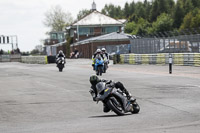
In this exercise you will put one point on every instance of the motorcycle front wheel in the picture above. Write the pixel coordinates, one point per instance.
(115, 107)
(99, 70)
(136, 108)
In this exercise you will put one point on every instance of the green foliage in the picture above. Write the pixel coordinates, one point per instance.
(152, 16)
(130, 27)
(163, 23)
(69, 41)
(112, 11)
(191, 20)
(178, 15)
(140, 28)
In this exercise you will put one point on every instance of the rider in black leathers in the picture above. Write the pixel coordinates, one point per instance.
(60, 54)
(94, 80)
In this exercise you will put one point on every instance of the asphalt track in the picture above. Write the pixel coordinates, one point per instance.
(39, 99)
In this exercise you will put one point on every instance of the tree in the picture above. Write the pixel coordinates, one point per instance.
(127, 10)
(187, 21)
(196, 19)
(112, 11)
(154, 11)
(163, 23)
(188, 6)
(57, 19)
(132, 8)
(69, 41)
(82, 13)
(130, 27)
(196, 3)
(139, 28)
(140, 10)
(191, 20)
(178, 14)
(142, 27)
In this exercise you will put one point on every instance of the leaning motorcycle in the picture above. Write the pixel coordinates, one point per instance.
(99, 64)
(60, 63)
(115, 99)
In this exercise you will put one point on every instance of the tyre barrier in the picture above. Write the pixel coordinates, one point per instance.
(181, 59)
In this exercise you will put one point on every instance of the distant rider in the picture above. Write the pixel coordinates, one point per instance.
(60, 54)
(95, 56)
(94, 80)
(105, 54)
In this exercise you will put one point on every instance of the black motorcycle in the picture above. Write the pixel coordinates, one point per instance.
(60, 61)
(105, 67)
(115, 99)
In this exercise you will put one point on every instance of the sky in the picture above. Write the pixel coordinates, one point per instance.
(24, 18)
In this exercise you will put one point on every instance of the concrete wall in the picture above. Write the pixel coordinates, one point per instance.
(10, 58)
(34, 59)
(184, 59)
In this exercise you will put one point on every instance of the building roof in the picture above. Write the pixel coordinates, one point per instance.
(97, 18)
(114, 36)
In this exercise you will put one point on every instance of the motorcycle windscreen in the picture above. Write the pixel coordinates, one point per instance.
(101, 86)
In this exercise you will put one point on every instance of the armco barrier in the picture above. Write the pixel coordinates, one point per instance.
(131, 59)
(186, 59)
(34, 59)
(196, 59)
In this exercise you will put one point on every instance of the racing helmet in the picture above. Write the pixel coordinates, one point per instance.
(98, 50)
(103, 49)
(94, 80)
(60, 52)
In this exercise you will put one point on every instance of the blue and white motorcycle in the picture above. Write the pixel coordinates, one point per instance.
(99, 65)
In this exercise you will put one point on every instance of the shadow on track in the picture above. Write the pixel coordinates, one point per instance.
(101, 116)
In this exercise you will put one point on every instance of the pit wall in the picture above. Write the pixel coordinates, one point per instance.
(34, 59)
(182, 59)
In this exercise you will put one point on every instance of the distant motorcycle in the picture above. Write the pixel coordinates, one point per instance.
(60, 63)
(116, 100)
(99, 64)
(105, 67)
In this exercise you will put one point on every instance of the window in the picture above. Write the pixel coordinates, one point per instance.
(60, 36)
(110, 29)
(53, 35)
(86, 31)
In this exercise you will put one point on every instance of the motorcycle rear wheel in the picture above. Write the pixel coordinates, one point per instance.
(60, 69)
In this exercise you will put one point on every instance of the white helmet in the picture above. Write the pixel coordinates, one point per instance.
(60, 52)
(103, 49)
(98, 50)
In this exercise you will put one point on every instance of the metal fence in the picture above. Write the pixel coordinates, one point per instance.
(166, 44)
(117, 49)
